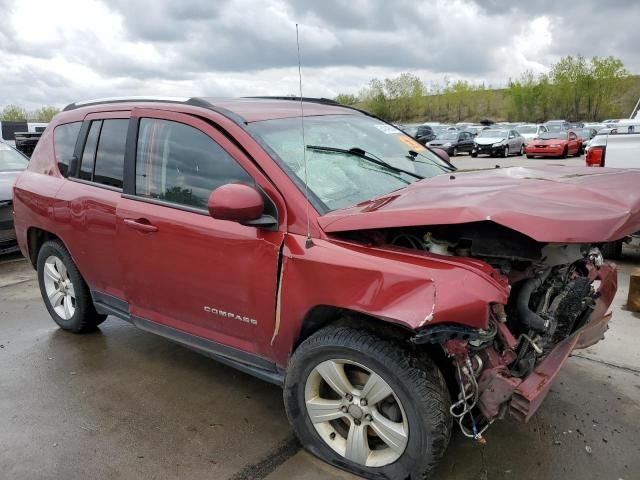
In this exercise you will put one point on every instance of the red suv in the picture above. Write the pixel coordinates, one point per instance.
(389, 294)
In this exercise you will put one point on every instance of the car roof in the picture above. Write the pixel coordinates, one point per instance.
(246, 109)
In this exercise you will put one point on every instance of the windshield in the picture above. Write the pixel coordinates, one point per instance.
(557, 127)
(11, 160)
(557, 135)
(341, 179)
(527, 129)
(583, 133)
(450, 135)
(493, 134)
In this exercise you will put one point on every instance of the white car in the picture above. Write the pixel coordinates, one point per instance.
(530, 131)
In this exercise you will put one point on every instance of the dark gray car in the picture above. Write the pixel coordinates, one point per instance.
(12, 163)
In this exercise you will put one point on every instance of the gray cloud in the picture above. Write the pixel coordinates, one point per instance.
(231, 47)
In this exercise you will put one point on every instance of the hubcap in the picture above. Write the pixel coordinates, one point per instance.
(59, 288)
(356, 413)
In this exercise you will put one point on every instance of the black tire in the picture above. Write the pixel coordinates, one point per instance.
(530, 157)
(612, 250)
(474, 155)
(521, 152)
(85, 318)
(454, 152)
(565, 152)
(417, 383)
(505, 153)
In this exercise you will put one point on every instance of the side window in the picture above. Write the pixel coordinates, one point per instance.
(64, 141)
(89, 152)
(109, 160)
(180, 164)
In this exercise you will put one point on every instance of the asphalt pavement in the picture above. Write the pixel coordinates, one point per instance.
(120, 403)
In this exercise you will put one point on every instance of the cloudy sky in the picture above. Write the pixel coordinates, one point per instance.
(59, 51)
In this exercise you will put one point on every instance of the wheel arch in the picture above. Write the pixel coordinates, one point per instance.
(36, 237)
(322, 316)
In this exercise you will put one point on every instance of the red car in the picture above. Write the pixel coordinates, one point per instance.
(390, 295)
(555, 144)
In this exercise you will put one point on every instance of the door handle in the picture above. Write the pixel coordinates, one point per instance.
(140, 224)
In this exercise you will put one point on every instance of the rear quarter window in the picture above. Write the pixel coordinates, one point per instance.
(64, 142)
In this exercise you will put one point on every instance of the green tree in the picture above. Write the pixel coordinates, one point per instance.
(347, 99)
(45, 114)
(608, 74)
(14, 113)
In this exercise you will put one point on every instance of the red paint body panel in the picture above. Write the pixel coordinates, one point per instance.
(411, 290)
(549, 204)
(540, 147)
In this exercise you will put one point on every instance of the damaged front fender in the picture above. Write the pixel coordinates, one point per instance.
(409, 289)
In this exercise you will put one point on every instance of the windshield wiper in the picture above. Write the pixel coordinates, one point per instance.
(358, 152)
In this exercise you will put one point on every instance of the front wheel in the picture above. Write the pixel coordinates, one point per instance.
(521, 150)
(64, 291)
(454, 152)
(366, 405)
(505, 154)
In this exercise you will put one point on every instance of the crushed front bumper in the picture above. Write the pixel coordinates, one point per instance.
(500, 391)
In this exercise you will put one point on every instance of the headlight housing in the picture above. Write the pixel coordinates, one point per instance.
(448, 144)
(555, 145)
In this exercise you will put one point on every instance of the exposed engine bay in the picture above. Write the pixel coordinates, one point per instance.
(554, 291)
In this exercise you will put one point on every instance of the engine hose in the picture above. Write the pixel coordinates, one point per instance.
(528, 317)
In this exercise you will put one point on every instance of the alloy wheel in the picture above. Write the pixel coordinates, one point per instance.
(356, 413)
(59, 288)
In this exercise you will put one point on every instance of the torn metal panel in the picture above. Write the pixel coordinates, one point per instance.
(548, 204)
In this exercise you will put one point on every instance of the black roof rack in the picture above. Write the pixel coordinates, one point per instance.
(326, 101)
(99, 101)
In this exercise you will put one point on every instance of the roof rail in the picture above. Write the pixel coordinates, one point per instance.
(326, 101)
(98, 101)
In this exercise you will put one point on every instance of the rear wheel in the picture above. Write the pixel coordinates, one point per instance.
(366, 405)
(64, 291)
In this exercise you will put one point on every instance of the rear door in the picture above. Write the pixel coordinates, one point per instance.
(89, 200)
(197, 275)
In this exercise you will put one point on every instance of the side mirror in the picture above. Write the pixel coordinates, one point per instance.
(442, 154)
(236, 202)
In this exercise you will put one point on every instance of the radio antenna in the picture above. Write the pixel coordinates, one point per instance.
(309, 242)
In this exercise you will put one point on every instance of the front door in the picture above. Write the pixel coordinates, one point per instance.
(214, 279)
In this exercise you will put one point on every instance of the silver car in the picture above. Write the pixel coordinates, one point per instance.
(498, 143)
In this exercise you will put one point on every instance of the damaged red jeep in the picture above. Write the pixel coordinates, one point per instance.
(389, 294)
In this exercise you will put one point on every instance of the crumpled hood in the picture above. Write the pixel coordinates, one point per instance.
(549, 204)
(488, 140)
(7, 179)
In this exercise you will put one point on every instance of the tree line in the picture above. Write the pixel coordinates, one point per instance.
(575, 89)
(15, 113)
